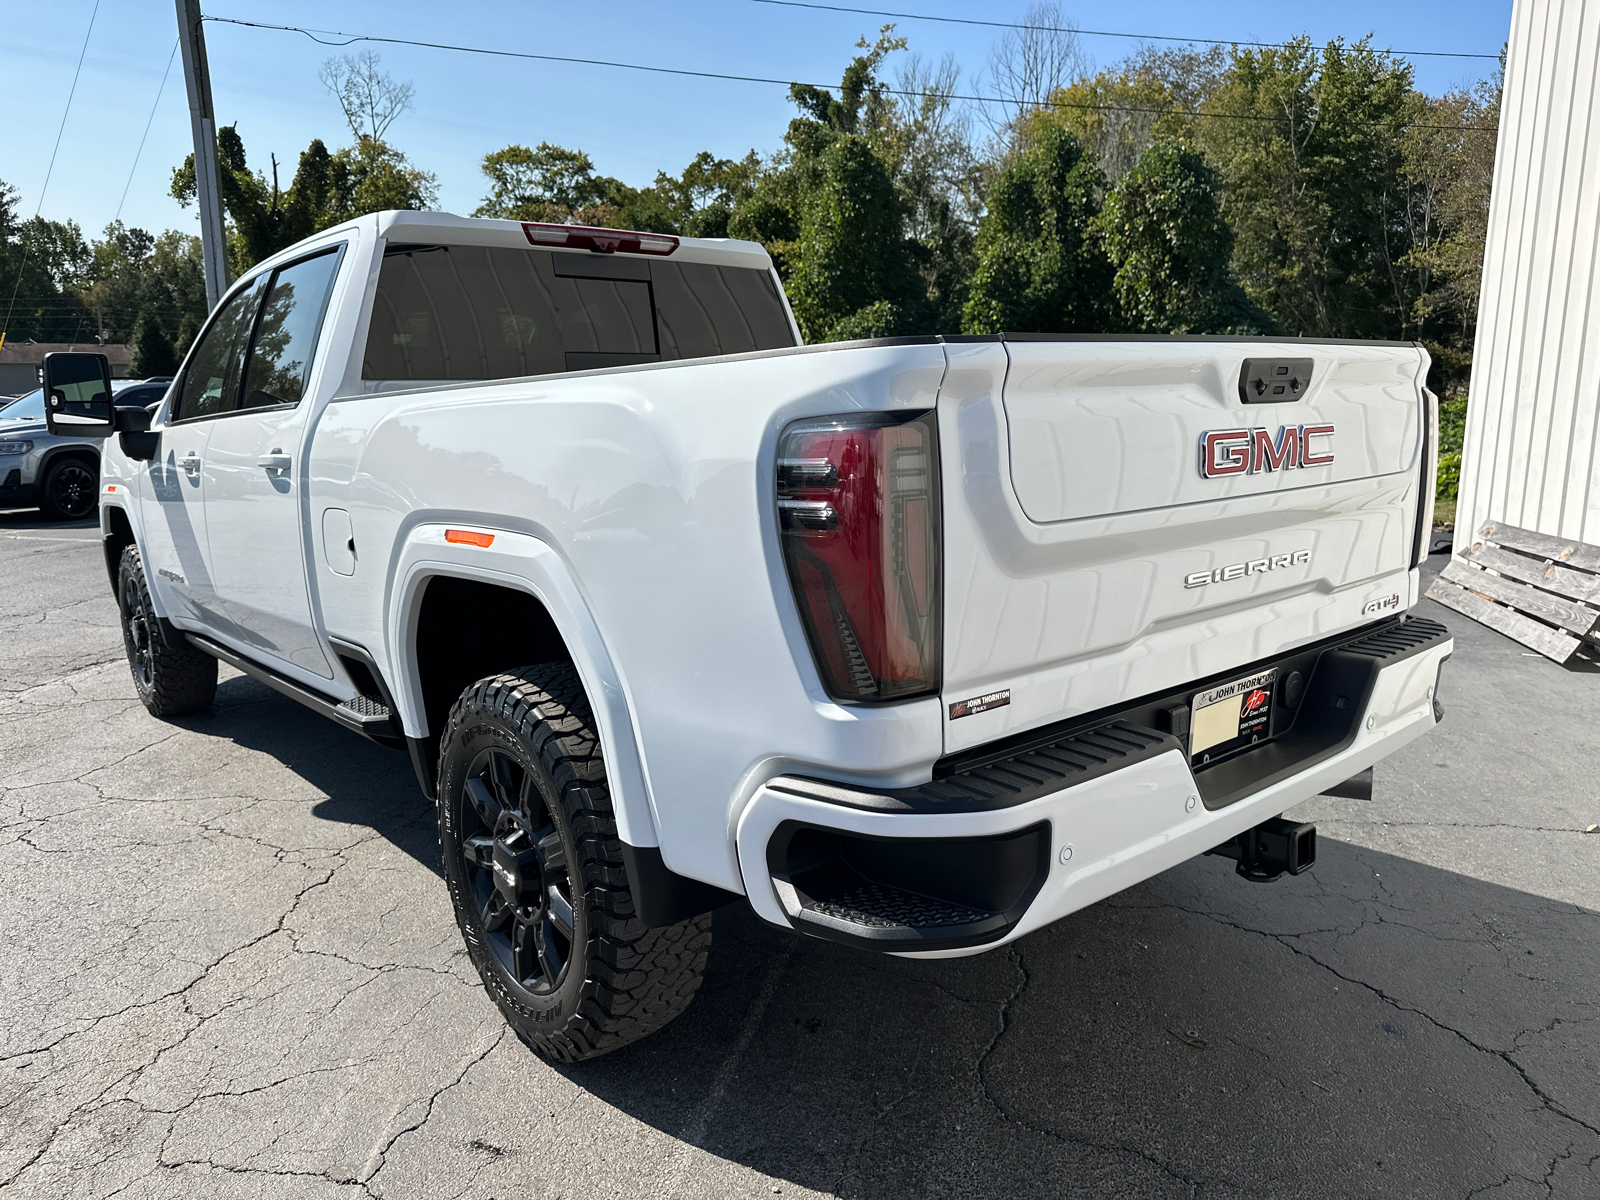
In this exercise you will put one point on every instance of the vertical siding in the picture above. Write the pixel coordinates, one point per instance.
(1533, 424)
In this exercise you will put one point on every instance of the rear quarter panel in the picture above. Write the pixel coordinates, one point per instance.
(655, 485)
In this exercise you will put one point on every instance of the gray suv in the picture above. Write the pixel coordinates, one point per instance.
(61, 475)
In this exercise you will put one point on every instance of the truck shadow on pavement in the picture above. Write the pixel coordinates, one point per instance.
(364, 784)
(1379, 1026)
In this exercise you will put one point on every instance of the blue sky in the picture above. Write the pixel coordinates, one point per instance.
(631, 123)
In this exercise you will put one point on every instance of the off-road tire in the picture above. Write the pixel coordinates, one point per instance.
(620, 980)
(70, 490)
(170, 675)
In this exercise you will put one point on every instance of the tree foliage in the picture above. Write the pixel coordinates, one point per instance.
(1170, 248)
(1041, 267)
(1308, 144)
(133, 277)
(1120, 111)
(1451, 166)
(370, 175)
(42, 261)
(153, 352)
(1301, 189)
(327, 189)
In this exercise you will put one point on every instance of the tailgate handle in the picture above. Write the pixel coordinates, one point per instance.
(1274, 380)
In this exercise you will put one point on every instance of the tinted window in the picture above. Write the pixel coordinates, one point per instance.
(280, 359)
(709, 310)
(141, 397)
(211, 383)
(473, 312)
(26, 408)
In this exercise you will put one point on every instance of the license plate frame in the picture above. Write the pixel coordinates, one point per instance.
(1232, 716)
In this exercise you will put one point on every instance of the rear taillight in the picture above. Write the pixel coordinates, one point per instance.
(858, 515)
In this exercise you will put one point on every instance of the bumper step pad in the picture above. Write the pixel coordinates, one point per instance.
(1005, 780)
(875, 906)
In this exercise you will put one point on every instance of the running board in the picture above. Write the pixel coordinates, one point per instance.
(361, 714)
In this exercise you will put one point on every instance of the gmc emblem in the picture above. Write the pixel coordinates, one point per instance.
(1254, 451)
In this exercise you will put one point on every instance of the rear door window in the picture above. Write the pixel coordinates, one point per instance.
(476, 312)
(280, 359)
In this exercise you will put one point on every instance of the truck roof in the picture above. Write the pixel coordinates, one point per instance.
(412, 226)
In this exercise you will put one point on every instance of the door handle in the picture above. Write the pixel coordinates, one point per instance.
(191, 464)
(276, 461)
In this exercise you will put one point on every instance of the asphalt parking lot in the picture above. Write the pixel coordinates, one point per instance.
(228, 968)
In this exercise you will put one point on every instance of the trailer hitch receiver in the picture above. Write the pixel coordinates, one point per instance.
(1271, 850)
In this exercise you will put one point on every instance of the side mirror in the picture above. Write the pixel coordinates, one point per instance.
(77, 395)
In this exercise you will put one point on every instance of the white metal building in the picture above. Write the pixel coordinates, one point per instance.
(1532, 451)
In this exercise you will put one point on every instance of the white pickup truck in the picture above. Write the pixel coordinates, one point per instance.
(915, 644)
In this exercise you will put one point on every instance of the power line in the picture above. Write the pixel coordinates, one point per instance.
(320, 36)
(146, 134)
(1145, 37)
(27, 244)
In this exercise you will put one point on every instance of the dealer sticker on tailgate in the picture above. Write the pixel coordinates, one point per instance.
(1232, 715)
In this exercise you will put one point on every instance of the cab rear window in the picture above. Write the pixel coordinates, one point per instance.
(478, 312)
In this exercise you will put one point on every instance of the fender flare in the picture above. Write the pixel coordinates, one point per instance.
(532, 565)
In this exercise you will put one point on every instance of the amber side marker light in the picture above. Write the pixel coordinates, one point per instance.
(465, 537)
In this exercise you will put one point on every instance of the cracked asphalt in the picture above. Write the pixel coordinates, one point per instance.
(228, 968)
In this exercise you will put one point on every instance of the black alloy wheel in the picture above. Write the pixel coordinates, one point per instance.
(71, 490)
(537, 874)
(171, 676)
(136, 621)
(517, 867)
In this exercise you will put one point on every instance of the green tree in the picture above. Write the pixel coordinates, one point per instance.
(1121, 111)
(545, 183)
(1450, 166)
(1170, 248)
(43, 262)
(834, 217)
(700, 201)
(371, 176)
(1309, 145)
(131, 273)
(153, 352)
(1041, 266)
(854, 274)
(327, 189)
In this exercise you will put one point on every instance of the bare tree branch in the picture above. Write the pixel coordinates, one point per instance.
(1030, 63)
(371, 99)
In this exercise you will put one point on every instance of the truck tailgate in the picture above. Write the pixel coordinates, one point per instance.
(1090, 556)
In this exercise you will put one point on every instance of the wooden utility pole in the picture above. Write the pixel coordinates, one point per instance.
(197, 75)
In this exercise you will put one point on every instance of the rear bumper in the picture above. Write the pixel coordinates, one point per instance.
(1089, 813)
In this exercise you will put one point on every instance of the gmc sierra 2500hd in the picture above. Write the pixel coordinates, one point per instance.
(914, 644)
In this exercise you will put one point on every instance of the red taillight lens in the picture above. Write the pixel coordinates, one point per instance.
(858, 514)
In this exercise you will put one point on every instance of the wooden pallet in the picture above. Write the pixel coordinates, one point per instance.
(1540, 590)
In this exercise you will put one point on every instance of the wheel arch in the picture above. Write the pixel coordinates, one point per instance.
(116, 535)
(518, 578)
(81, 452)
(55, 454)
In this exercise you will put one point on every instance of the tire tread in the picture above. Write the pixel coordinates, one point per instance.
(184, 679)
(639, 978)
